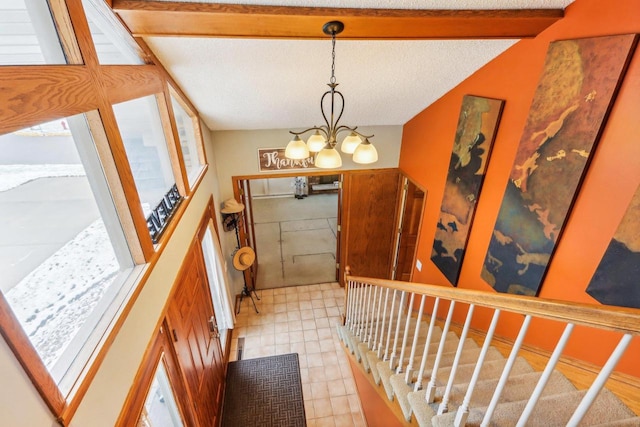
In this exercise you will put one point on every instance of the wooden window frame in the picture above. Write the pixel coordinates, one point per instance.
(197, 131)
(38, 94)
(159, 351)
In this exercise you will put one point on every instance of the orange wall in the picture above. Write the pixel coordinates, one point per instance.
(610, 182)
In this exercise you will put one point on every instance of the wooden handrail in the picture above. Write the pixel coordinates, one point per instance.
(618, 319)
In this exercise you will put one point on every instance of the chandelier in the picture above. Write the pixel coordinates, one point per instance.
(324, 139)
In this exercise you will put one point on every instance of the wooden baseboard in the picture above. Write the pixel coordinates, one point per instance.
(378, 410)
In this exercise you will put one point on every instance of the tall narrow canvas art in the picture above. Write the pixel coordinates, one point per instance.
(475, 133)
(575, 92)
(616, 280)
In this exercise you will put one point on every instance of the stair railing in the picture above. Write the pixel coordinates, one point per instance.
(362, 314)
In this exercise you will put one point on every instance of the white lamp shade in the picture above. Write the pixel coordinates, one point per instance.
(365, 153)
(328, 158)
(296, 149)
(350, 143)
(316, 142)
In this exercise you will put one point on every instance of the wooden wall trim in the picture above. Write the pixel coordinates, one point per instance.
(159, 18)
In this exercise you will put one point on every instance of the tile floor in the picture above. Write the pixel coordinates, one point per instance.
(303, 319)
(295, 240)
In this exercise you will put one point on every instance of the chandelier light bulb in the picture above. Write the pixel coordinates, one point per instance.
(296, 149)
(350, 143)
(328, 158)
(316, 142)
(365, 153)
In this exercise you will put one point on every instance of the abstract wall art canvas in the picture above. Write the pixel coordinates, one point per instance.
(574, 95)
(474, 137)
(617, 278)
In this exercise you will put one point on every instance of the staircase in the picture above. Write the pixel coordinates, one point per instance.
(441, 377)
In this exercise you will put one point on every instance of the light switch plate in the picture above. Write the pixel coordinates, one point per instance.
(419, 265)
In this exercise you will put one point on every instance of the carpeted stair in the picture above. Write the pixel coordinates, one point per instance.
(555, 407)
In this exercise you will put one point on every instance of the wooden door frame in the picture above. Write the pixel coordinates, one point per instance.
(251, 274)
(400, 218)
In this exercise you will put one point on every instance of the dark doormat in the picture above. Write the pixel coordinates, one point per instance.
(264, 392)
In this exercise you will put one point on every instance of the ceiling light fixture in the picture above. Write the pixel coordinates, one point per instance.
(325, 137)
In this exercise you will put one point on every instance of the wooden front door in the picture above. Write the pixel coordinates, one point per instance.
(196, 339)
(368, 219)
(409, 229)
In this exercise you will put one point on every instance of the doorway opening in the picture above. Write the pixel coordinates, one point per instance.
(295, 220)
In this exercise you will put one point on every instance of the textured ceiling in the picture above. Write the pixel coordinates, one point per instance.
(274, 84)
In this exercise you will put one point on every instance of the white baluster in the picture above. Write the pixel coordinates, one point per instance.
(363, 304)
(393, 304)
(505, 373)
(392, 359)
(384, 319)
(546, 374)
(374, 344)
(405, 336)
(370, 309)
(444, 405)
(463, 411)
(349, 308)
(431, 387)
(365, 313)
(356, 299)
(409, 370)
(368, 317)
(425, 352)
(602, 377)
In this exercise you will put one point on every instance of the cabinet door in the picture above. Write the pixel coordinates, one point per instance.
(368, 222)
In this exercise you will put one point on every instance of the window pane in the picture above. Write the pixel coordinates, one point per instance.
(160, 409)
(146, 147)
(27, 34)
(112, 46)
(188, 141)
(61, 265)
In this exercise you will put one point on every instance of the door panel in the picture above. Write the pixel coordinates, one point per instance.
(369, 216)
(196, 341)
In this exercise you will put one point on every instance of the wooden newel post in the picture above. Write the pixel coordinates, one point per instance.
(347, 273)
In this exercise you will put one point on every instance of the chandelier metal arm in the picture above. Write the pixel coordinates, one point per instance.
(344, 128)
(318, 128)
(331, 124)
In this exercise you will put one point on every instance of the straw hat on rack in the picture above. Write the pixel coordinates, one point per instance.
(231, 206)
(244, 258)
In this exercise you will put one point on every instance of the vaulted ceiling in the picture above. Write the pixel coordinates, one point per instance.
(264, 64)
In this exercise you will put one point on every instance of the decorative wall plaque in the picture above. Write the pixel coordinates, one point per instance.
(273, 159)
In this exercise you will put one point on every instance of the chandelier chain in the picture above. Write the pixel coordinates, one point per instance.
(333, 58)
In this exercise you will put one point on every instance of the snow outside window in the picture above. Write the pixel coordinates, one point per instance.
(188, 141)
(63, 255)
(146, 147)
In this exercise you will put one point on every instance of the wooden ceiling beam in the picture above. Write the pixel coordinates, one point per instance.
(158, 18)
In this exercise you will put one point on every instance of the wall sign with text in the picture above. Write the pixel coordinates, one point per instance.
(273, 159)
